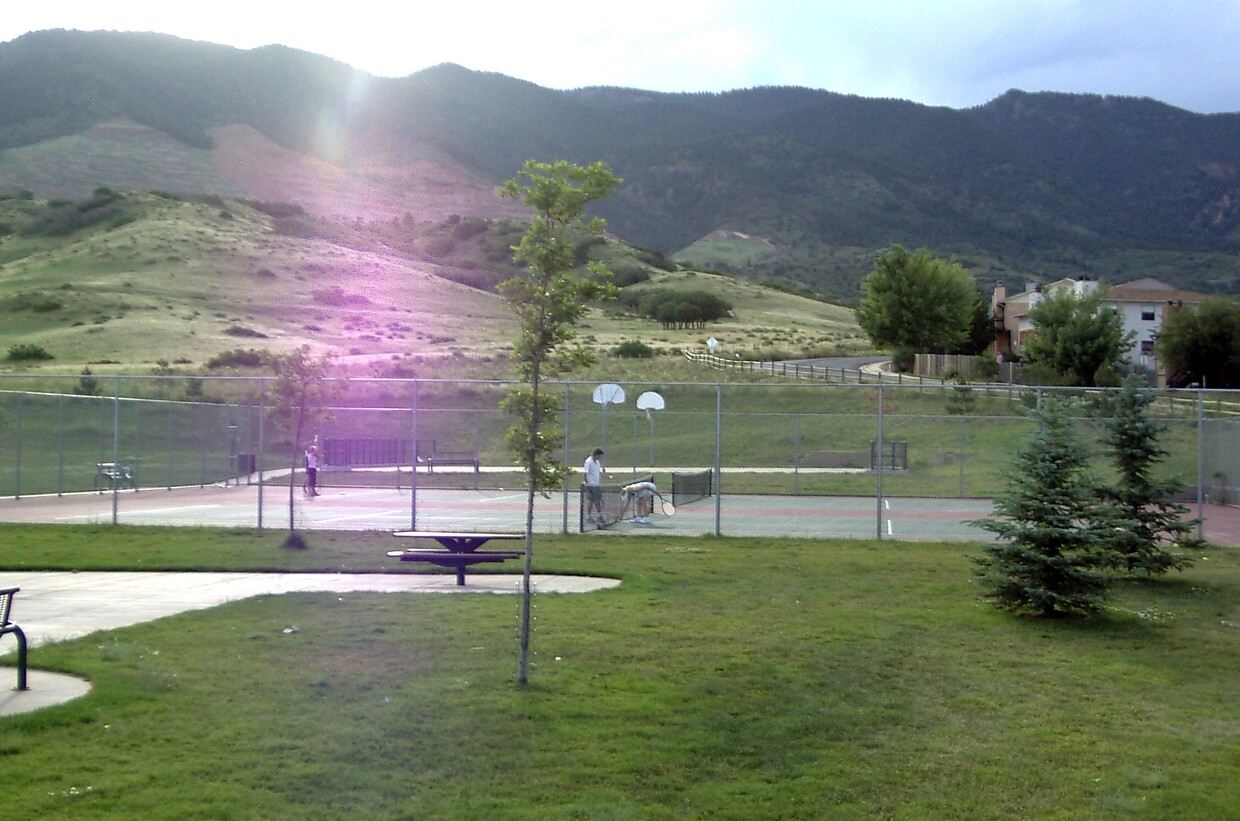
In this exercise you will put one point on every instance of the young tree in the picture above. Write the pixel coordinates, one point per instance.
(300, 400)
(1151, 522)
(1202, 344)
(1051, 553)
(548, 300)
(1076, 339)
(916, 301)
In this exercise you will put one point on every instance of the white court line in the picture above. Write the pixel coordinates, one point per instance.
(154, 511)
(505, 497)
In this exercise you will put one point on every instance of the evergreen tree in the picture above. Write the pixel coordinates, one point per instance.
(1051, 553)
(1151, 522)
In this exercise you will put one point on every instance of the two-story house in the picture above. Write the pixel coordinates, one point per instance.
(1143, 304)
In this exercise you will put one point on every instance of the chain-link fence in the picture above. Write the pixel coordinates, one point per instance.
(784, 457)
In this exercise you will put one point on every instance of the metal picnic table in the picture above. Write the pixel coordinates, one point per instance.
(460, 549)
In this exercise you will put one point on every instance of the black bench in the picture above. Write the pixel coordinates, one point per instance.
(460, 549)
(6, 626)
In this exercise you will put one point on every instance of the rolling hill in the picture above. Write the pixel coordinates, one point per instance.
(141, 281)
(1029, 187)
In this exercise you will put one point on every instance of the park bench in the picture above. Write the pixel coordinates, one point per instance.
(112, 475)
(7, 626)
(460, 550)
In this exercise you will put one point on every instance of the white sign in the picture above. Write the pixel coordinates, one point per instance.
(711, 343)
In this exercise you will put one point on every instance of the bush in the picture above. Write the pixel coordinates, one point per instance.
(985, 366)
(238, 358)
(338, 297)
(903, 360)
(241, 330)
(28, 353)
(633, 349)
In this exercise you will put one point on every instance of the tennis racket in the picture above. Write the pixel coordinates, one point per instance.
(667, 507)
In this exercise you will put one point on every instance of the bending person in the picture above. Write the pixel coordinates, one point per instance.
(641, 496)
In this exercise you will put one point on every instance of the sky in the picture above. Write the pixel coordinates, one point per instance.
(956, 53)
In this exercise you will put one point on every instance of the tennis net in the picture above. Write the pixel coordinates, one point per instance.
(690, 486)
(610, 505)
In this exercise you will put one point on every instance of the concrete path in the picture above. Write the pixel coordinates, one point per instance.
(60, 606)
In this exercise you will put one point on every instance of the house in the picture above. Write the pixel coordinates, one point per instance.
(1143, 304)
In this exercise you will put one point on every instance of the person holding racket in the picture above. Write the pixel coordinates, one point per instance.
(641, 496)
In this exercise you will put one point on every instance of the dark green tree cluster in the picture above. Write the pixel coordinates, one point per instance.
(66, 216)
(1062, 535)
(677, 309)
(1202, 345)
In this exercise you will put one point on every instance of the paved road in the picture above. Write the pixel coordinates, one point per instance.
(849, 363)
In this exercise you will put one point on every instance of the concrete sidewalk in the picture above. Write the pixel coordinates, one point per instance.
(65, 605)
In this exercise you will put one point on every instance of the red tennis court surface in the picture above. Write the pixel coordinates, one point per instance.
(895, 518)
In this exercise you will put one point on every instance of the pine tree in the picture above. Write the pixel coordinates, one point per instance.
(1051, 553)
(1151, 522)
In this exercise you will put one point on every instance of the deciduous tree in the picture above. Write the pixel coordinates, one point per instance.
(548, 300)
(917, 301)
(300, 399)
(1201, 344)
(1076, 341)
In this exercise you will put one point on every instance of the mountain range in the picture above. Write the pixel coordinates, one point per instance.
(791, 185)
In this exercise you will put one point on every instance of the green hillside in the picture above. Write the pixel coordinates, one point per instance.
(138, 281)
(1029, 187)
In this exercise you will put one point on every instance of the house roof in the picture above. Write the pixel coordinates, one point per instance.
(1151, 290)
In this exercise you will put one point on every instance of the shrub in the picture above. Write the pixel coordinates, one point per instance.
(44, 306)
(241, 330)
(238, 358)
(28, 353)
(335, 295)
(633, 349)
(903, 359)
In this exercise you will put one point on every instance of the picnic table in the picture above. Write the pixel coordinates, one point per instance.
(460, 549)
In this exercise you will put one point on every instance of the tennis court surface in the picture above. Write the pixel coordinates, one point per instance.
(503, 510)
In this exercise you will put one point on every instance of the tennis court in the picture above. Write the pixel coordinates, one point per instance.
(385, 509)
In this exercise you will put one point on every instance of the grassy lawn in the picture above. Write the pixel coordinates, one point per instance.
(725, 678)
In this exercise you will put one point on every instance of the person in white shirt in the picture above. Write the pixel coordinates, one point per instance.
(641, 496)
(311, 487)
(594, 471)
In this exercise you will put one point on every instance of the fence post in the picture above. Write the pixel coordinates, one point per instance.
(262, 444)
(718, 458)
(879, 479)
(60, 445)
(17, 450)
(1201, 461)
(413, 463)
(116, 444)
(565, 483)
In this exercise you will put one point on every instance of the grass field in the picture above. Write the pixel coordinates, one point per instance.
(724, 678)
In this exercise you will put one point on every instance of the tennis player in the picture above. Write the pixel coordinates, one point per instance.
(641, 495)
